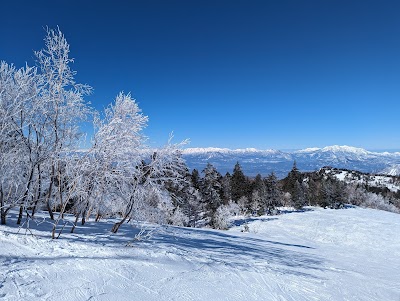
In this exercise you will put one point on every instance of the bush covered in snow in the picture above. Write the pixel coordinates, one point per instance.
(223, 216)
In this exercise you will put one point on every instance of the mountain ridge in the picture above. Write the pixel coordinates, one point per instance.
(254, 161)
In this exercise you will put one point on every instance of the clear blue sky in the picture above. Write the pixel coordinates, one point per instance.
(266, 74)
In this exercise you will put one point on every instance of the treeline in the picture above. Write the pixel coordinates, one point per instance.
(213, 199)
(210, 199)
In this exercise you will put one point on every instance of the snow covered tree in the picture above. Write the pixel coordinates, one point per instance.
(193, 206)
(64, 106)
(211, 189)
(223, 215)
(133, 177)
(17, 88)
(273, 194)
(226, 188)
(256, 203)
(195, 177)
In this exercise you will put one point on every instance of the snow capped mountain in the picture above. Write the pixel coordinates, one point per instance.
(393, 170)
(210, 150)
(254, 161)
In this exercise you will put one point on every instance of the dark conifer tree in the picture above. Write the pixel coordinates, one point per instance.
(226, 188)
(195, 179)
(239, 183)
(273, 196)
(298, 195)
(289, 183)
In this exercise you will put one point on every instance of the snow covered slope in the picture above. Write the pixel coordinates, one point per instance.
(351, 254)
(379, 181)
(393, 170)
(255, 161)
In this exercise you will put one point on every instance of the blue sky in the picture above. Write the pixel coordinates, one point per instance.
(264, 74)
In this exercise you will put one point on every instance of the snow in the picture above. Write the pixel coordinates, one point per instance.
(342, 175)
(200, 150)
(308, 150)
(207, 150)
(319, 254)
(393, 170)
(346, 149)
(372, 180)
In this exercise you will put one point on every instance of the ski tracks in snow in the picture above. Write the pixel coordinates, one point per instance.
(321, 255)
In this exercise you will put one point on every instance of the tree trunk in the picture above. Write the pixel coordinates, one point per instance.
(84, 213)
(49, 194)
(21, 211)
(39, 194)
(60, 191)
(2, 210)
(117, 225)
(76, 221)
(25, 197)
(126, 215)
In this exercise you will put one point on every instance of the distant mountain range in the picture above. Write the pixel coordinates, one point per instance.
(254, 161)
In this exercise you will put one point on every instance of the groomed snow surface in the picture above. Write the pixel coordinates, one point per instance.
(319, 254)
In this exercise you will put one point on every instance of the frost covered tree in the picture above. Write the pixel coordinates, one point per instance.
(256, 203)
(211, 189)
(273, 194)
(226, 188)
(132, 176)
(117, 155)
(195, 177)
(17, 90)
(41, 110)
(65, 108)
(223, 215)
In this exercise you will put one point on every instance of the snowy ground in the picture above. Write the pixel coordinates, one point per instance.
(351, 254)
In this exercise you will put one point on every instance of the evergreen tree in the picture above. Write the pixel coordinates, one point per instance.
(211, 189)
(256, 207)
(298, 196)
(226, 188)
(257, 198)
(326, 193)
(259, 185)
(313, 191)
(289, 183)
(239, 183)
(193, 206)
(273, 195)
(195, 179)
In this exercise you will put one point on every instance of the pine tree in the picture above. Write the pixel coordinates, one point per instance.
(195, 179)
(289, 183)
(298, 196)
(258, 196)
(239, 183)
(211, 189)
(226, 188)
(273, 195)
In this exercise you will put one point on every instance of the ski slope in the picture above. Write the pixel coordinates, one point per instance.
(350, 254)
